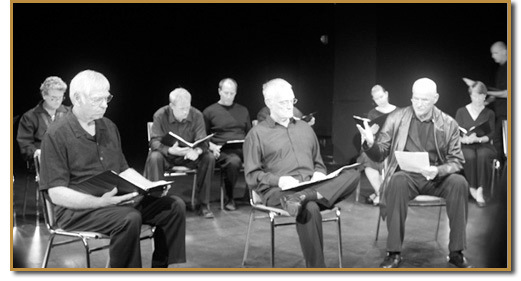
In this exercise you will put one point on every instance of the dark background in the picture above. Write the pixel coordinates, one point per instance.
(146, 50)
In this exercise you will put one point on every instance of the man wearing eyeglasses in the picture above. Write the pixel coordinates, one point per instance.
(421, 127)
(83, 144)
(282, 151)
(34, 123)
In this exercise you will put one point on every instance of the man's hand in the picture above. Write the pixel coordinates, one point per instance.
(317, 176)
(192, 154)
(215, 149)
(430, 172)
(366, 133)
(109, 198)
(375, 128)
(287, 181)
(178, 151)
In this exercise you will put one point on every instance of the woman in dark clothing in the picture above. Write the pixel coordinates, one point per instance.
(477, 147)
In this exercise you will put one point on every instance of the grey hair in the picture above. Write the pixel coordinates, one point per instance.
(52, 83)
(221, 83)
(274, 86)
(86, 81)
(179, 94)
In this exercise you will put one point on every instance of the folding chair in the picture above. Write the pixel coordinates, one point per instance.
(274, 213)
(147, 231)
(421, 201)
(28, 183)
(496, 164)
(219, 169)
(177, 171)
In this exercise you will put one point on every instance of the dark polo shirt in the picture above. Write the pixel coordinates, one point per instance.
(272, 150)
(70, 154)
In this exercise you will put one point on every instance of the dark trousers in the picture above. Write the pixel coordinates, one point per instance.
(157, 163)
(123, 225)
(230, 162)
(404, 186)
(478, 164)
(309, 221)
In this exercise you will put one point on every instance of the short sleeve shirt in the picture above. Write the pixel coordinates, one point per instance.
(71, 155)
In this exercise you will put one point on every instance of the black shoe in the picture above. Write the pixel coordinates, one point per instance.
(481, 204)
(230, 206)
(458, 260)
(391, 261)
(292, 204)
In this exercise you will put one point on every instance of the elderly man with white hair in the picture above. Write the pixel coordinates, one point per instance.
(421, 127)
(282, 151)
(83, 144)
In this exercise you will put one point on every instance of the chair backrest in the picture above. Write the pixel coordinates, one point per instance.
(149, 129)
(255, 197)
(504, 126)
(48, 206)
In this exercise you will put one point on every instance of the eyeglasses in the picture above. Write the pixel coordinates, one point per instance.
(287, 102)
(98, 101)
(53, 99)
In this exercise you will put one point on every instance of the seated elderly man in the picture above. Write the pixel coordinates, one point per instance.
(34, 123)
(281, 152)
(83, 144)
(420, 127)
(180, 118)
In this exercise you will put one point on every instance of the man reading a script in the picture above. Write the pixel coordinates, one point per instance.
(82, 144)
(282, 151)
(180, 118)
(421, 127)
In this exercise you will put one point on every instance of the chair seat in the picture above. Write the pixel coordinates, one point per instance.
(86, 234)
(179, 171)
(427, 200)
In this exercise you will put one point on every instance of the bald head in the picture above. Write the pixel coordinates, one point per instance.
(499, 52)
(424, 97)
(424, 85)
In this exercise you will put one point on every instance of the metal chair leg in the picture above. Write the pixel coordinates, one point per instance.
(245, 256)
(48, 251)
(378, 227)
(272, 224)
(339, 239)
(87, 252)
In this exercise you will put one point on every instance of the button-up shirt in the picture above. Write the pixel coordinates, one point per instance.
(190, 129)
(71, 155)
(272, 150)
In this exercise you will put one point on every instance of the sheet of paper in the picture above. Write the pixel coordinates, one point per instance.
(412, 161)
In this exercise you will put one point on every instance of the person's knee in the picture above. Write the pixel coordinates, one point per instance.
(309, 210)
(398, 183)
(233, 162)
(458, 182)
(156, 157)
(178, 205)
(207, 157)
(131, 219)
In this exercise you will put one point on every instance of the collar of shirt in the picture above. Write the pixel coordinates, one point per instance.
(39, 108)
(171, 117)
(272, 123)
(79, 131)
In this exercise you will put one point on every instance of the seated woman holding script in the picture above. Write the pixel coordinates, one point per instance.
(477, 125)
(374, 169)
